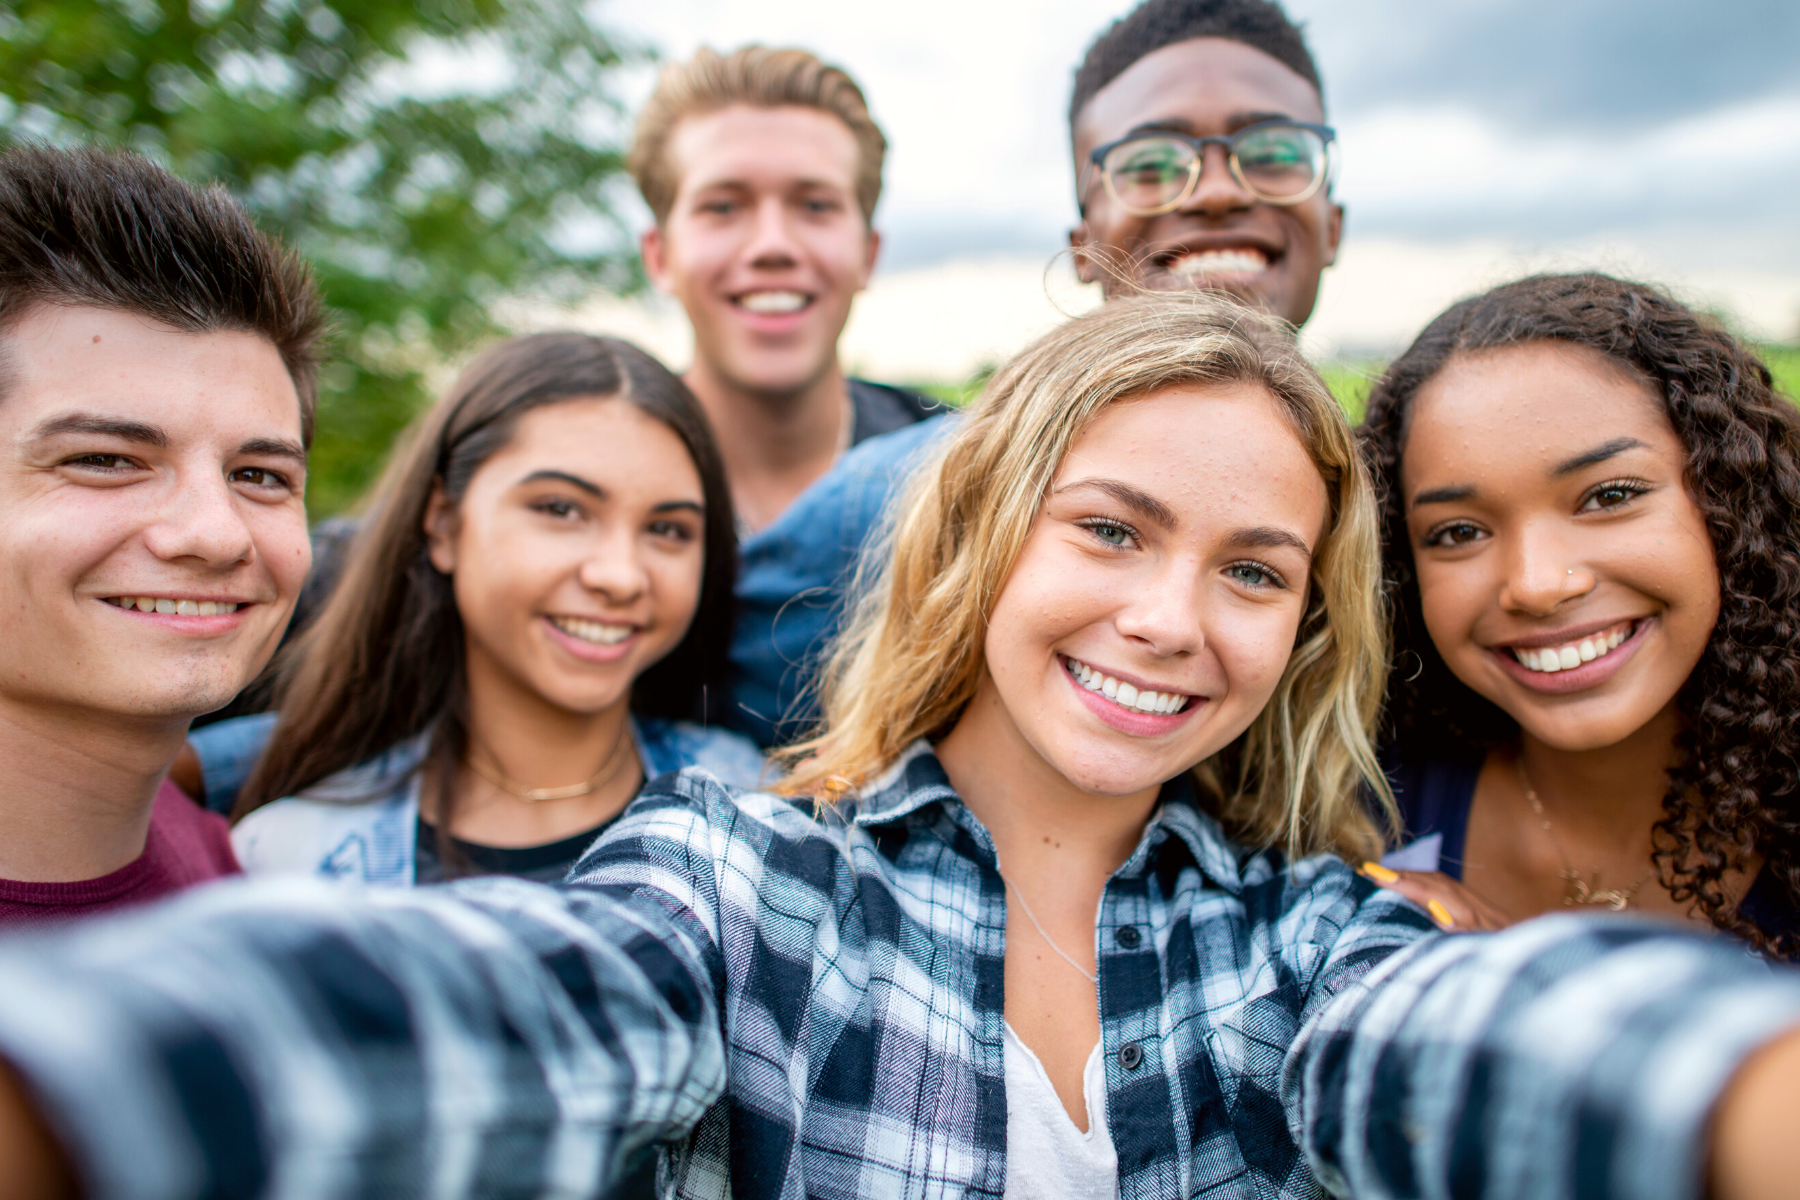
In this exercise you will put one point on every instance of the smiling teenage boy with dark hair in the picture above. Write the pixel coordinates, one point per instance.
(156, 391)
(1202, 158)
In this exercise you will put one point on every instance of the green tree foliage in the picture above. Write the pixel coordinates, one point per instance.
(428, 157)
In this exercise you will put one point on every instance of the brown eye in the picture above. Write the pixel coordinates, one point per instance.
(103, 462)
(1612, 495)
(562, 509)
(259, 477)
(1456, 533)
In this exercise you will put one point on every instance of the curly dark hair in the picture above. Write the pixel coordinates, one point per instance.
(1734, 792)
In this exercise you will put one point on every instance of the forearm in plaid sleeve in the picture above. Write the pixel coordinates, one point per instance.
(496, 1039)
(1567, 1057)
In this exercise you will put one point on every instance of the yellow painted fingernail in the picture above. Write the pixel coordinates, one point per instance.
(1379, 873)
(1440, 914)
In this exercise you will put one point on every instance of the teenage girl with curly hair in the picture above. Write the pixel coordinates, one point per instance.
(1589, 504)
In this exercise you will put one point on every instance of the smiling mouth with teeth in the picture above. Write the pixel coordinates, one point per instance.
(174, 608)
(1125, 695)
(1550, 659)
(598, 633)
(773, 302)
(1203, 264)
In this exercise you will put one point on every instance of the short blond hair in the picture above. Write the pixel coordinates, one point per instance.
(912, 656)
(762, 77)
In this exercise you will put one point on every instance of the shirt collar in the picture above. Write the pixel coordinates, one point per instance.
(917, 779)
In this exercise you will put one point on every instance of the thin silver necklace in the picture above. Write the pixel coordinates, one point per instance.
(1032, 917)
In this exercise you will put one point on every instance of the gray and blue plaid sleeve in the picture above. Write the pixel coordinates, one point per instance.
(1566, 1058)
(282, 1038)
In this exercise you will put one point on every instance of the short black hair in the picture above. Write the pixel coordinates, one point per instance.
(111, 229)
(1259, 24)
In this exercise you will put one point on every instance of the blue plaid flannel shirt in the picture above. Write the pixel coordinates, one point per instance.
(801, 1008)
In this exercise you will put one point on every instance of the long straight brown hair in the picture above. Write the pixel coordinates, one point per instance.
(384, 660)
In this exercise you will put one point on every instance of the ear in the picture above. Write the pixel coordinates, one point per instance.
(1079, 238)
(871, 252)
(1334, 234)
(654, 250)
(442, 524)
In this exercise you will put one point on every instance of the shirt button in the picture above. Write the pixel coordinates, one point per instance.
(1130, 1055)
(1127, 936)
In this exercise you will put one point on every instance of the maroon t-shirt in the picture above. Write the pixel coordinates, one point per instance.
(186, 845)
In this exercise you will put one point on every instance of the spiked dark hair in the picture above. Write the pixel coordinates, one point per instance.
(108, 229)
(1259, 24)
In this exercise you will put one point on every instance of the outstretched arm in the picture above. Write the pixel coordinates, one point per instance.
(1755, 1153)
(36, 1167)
(495, 1039)
(1566, 1057)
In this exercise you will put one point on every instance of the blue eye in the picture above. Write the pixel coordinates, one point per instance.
(1111, 534)
(1255, 575)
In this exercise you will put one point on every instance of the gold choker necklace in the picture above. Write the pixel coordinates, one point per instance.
(530, 795)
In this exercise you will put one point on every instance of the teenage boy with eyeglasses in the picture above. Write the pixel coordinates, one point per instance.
(1202, 159)
(155, 405)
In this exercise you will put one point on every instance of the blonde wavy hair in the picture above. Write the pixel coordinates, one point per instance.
(912, 654)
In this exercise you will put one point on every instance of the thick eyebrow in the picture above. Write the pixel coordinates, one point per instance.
(1598, 454)
(599, 493)
(1443, 495)
(1136, 499)
(130, 431)
(575, 481)
(1267, 537)
(274, 448)
(1236, 120)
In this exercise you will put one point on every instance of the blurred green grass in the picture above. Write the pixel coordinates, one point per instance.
(1352, 380)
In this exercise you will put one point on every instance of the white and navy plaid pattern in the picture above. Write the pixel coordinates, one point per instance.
(814, 1009)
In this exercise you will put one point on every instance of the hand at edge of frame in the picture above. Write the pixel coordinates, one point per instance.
(35, 1167)
(1755, 1155)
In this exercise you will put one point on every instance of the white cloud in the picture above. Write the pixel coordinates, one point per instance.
(1446, 193)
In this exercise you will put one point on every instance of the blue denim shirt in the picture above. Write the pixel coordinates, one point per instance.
(792, 576)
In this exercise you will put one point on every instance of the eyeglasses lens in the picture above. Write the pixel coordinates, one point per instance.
(1278, 163)
(1149, 173)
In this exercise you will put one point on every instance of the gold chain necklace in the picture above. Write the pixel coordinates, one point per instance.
(1576, 890)
(530, 795)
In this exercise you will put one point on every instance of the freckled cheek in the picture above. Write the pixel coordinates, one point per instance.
(1253, 654)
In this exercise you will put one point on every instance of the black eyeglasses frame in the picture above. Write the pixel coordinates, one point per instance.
(1097, 159)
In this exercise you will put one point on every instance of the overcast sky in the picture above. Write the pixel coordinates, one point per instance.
(1651, 136)
(1477, 118)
